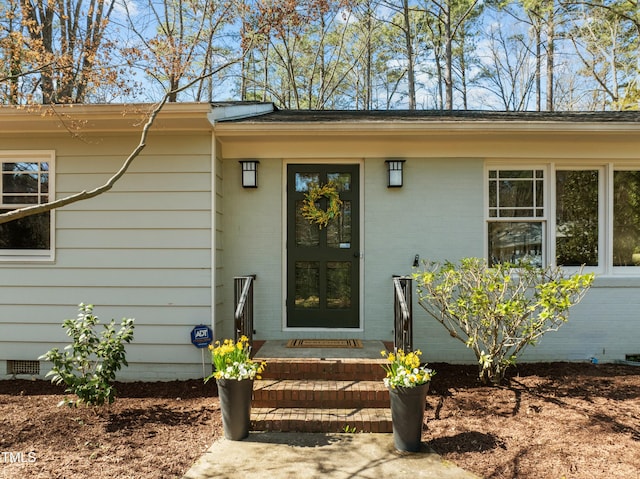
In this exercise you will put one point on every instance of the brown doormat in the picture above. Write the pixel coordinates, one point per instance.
(324, 343)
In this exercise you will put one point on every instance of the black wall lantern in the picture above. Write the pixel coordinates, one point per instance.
(394, 173)
(249, 173)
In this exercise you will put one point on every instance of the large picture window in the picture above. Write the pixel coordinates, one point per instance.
(26, 181)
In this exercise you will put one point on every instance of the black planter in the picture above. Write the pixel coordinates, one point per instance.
(235, 405)
(407, 414)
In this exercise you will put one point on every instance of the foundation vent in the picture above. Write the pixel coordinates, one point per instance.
(15, 367)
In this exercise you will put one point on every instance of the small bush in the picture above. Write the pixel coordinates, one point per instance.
(88, 365)
(498, 311)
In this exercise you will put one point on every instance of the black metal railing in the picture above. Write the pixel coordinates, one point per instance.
(402, 313)
(243, 317)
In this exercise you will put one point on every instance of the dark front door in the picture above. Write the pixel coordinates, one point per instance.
(323, 262)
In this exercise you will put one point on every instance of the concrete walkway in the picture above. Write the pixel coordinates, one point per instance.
(276, 455)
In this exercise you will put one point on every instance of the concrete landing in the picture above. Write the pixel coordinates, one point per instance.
(276, 455)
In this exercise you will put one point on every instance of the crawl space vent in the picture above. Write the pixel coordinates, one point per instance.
(23, 367)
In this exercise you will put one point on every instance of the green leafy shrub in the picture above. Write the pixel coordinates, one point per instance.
(88, 365)
(498, 311)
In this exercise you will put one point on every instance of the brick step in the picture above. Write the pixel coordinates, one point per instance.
(307, 393)
(321, 420)
(328, 369)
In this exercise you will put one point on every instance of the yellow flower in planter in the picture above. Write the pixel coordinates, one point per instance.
(404, 369)
(233, 361)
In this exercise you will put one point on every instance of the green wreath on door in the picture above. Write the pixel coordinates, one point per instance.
(310, 210)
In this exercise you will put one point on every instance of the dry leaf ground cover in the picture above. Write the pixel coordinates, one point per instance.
(550, 421)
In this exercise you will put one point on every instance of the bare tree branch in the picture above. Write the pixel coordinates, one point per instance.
(85, 195)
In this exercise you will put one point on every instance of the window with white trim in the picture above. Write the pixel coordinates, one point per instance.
(516, 224)
(26, 181)
(576, 215)
(626, 218)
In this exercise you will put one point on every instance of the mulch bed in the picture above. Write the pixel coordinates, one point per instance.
(577, 421)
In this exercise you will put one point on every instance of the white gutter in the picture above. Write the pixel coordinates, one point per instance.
(238, 111)
(422, 127)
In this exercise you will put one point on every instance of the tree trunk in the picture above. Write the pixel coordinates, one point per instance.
(448, 59)
(550, 55)
(463, 68)
(368, 67)
(440, 75)
(538, 69)
(409, 46)
(40, 25)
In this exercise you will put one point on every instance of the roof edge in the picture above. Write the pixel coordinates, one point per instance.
(412, 122)
(102, 118)
(226, 111)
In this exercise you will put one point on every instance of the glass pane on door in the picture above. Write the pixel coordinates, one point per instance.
(338, 284)
(307, 233)
(307, 284)
(339, 229)
(305, 180)
(342, 180)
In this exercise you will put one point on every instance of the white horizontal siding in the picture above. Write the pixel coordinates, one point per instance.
(134, 219)
(33, 276)
(147, 162)
(152, 238)
(147, 315)
(117, 147)
(169, 201)
(141, 250)
(186, 353)
(156, 335)
(140, 295)
(151, 182)
(141, 258)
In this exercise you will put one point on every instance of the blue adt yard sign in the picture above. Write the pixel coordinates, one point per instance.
(201, 336)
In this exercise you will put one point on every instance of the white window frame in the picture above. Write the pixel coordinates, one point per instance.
(605, 209)
(544, 219)
(617, 270)
(17, 156)
(602, 223)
